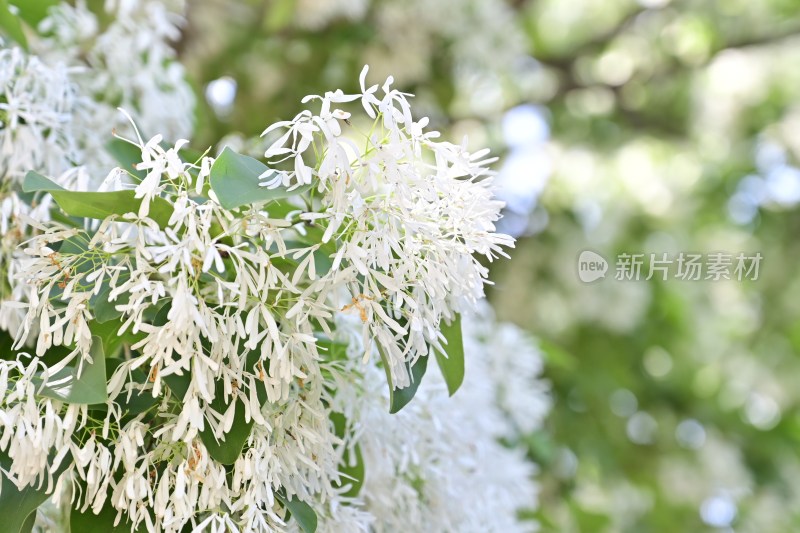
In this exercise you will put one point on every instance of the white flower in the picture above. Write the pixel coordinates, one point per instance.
(158, 163)
(424, 463)
(38, 107)
(406, 230)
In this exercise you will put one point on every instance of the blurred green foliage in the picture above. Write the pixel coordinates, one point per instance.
(674, 127)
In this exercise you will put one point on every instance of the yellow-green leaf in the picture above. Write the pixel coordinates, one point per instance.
(11, 26)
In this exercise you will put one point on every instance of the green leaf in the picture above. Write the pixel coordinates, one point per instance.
(96, 204)
(10, 25)
(104, 521)
(6, 343)
(234, 179)
(105, 310)
(352, 470)
(112, 340)
(33, 11)
(18, 506)
(303, 513)
(179, 383)
(139, 401)
(88, 387)
(29, 523)
(331, 350)
(227, 451)
(36, 182)
(452, 363)
(399, 398)
(75, 245)
(127, 155)
(280, 209)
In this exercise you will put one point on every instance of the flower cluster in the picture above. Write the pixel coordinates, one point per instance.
(203, 342)
(125, 62)
(203, 349)
(403, 490)
(37, 103)
(58, 107)
(408, 224)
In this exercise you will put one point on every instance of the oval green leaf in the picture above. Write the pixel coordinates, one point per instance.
(228, 449)
(234, 179)
(10, 25)
(97, 205)
(352, 467)
(452, 363)
(103, 521)
(399, 398)
(33, 11)
(87, 387)
(303, 514)
(18, 507)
